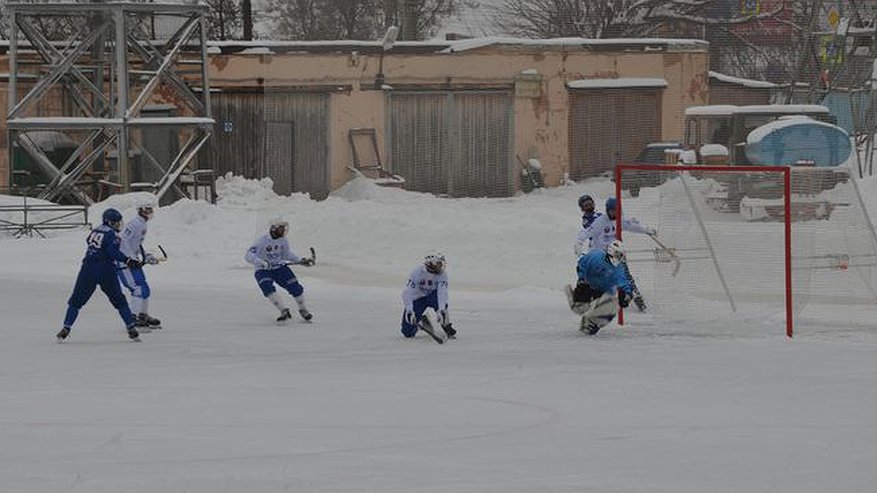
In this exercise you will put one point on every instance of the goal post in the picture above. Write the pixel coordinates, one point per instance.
(753, 246)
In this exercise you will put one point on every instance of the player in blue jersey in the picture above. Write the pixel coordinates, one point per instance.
(602, 287)
(427, 287)
(601, 233)
(272, 256)
(134, 279)
(99, 269)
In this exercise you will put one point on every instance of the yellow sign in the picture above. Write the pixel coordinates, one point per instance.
(833, 17)
(750, 7)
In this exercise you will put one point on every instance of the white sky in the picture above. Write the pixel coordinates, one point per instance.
(224, 400)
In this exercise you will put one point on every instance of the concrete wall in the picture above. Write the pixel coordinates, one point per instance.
(541, 122)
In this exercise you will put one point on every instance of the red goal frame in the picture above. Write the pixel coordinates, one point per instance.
(787, 213)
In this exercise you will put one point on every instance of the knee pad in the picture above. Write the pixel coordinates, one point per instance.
(409, 330)
(295, 289)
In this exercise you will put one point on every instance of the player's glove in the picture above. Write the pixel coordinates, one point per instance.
(651, 231)
(443, 318)
(306, 261)
(624, 298)
(409, 316)
(262, 264)
(150, 259)
(133, 263)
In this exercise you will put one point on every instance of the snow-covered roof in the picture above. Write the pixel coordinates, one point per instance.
(64, 122)
(730, 109)
(475, 43)
(783, 108)
(710, 110)
(620, 82)
(757, 84)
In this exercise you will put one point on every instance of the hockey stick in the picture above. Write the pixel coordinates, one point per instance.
(306, 261)
(163, 253)
(677, 262)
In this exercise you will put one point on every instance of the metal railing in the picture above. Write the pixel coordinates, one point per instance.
(31, 216)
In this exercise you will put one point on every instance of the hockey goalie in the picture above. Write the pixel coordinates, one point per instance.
(600, 276)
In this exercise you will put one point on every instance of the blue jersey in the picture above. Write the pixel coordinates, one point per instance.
(103, 246)
(596, 270)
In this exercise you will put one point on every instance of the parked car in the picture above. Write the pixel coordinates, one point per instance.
(655, 154)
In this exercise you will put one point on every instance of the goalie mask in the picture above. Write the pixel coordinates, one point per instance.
(434, 263)
(615, 252)
(278, 229)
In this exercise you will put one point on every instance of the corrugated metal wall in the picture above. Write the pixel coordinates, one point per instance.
(281, 135)
(453, 143)
(236, 143)
(610, 126)
(297, 145)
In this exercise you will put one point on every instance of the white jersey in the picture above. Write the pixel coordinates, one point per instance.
(421, 283)
(601, 233)
(276, 252)
(132, 236)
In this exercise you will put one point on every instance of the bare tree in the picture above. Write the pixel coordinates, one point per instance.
(356, 19)
(225, 19)
(604, 18)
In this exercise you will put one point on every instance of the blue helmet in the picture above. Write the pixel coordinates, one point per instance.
(111, 216)
(611, 204)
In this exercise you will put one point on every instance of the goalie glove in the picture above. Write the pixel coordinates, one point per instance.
(409, 316)
(624, 299)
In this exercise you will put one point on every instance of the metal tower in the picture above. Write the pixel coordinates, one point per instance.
(87, 70)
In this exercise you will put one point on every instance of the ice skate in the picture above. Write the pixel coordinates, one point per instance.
(284, 315)
(142, 324)
(588, 327)
(305, 314)
(62, 334)
(153, 323)
(449, 331)
(133, 334)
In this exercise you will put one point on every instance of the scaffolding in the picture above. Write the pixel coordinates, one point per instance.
(89, 71)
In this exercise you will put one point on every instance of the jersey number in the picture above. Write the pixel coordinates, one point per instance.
(95, 239)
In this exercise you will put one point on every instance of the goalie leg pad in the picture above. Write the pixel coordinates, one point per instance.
(599, 313)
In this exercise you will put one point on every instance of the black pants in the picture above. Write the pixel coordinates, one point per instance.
(584, 293)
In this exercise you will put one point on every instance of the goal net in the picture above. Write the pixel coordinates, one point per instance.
(750, 249)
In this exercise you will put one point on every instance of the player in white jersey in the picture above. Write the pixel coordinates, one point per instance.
(133, 278)
(272, 256)
(427, 287)
(601, 233)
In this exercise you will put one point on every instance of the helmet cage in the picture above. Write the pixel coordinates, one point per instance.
(434, 263)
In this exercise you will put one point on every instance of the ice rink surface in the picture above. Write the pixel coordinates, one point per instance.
(225, 400)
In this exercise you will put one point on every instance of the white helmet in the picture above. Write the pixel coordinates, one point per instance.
(146, 207)
(278, 228)
(615, 252)
(434, 263)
